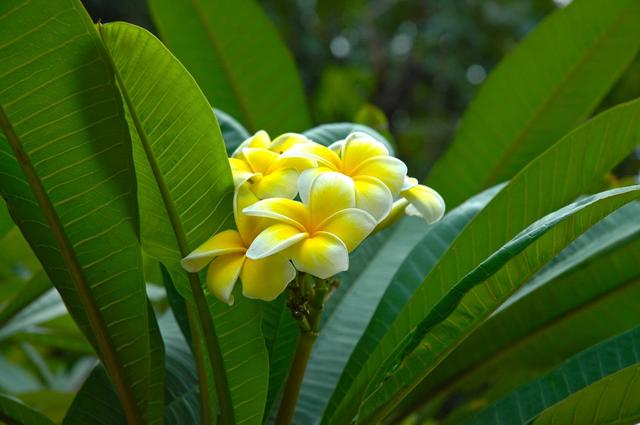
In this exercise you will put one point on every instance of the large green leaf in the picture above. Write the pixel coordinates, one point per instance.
(66, 173)
(480, 293)
(185, 196)
(613, 400)
(238, 59)
(583, 296)
(544, 88)
(21, 275)
(96, 403)
(597, 386)
(577, 160)
(374, 297)
(280, 332)
(14, 412)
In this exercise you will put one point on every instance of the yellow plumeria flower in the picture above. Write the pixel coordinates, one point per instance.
(422, 201)
(317, 233)
(258, 162)
(262, 279)
(377, 176)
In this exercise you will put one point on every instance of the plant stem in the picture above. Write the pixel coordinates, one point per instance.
(296, 374)
(310, 300)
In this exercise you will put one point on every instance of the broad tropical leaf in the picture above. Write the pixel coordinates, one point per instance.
(66, 173)
(538, 94)
(14, 412)
(21, 275)
(479, 293)
(597, 386)
(280, 332)
(185, 193)
(577, 160)
(95, 403)
(378, 293)
(241, 64)
(613, 400)
(583, 296)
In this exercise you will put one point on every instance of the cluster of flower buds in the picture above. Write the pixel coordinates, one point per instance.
(302, 206)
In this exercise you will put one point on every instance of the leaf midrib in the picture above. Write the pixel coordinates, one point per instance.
(105, 344)
(520, 138)
(519, 342)
(226, 67)
(494, 264)
(209, 334)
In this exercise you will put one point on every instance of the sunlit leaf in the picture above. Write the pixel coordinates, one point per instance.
(597, 386)
(185, 195)
(66, 173)
(237, 58)
(578, 160)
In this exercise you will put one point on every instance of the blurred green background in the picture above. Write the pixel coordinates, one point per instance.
(409, 66)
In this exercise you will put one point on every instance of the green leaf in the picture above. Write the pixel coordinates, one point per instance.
(391, 277)
(19, 268)
(326, 134)
(613, 400)
(96, 403)
(66, 173)
(281, 332)
(553, 316)
(238, 59)
(599, 385)
(374, 297)
(233, 133)
(479, 293)
(6, 223)
(185, 196)
(44, 309)
(578, 160)
(518, 112)
(15, 379)
(14, 412)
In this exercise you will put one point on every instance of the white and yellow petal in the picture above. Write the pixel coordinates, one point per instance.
(322, 255)
(373, 196)
(240, 171)
(266, 278)
(260, 160)
(226, 242)
(424, 202)
(286, 141)
(274, 239)
(391, 171)
(351, 226)
(279, 184)
(280, 209)
(247, 226)
(222, 275)
(305, 179)
(360, 147)
(329, 193)
(324, 156)
(259, 140)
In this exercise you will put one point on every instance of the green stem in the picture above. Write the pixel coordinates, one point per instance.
(296, 374)
(309, 324)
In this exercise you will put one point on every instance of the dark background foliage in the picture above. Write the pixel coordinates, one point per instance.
(410, 66)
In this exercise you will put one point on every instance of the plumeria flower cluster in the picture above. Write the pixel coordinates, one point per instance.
(300, 206)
